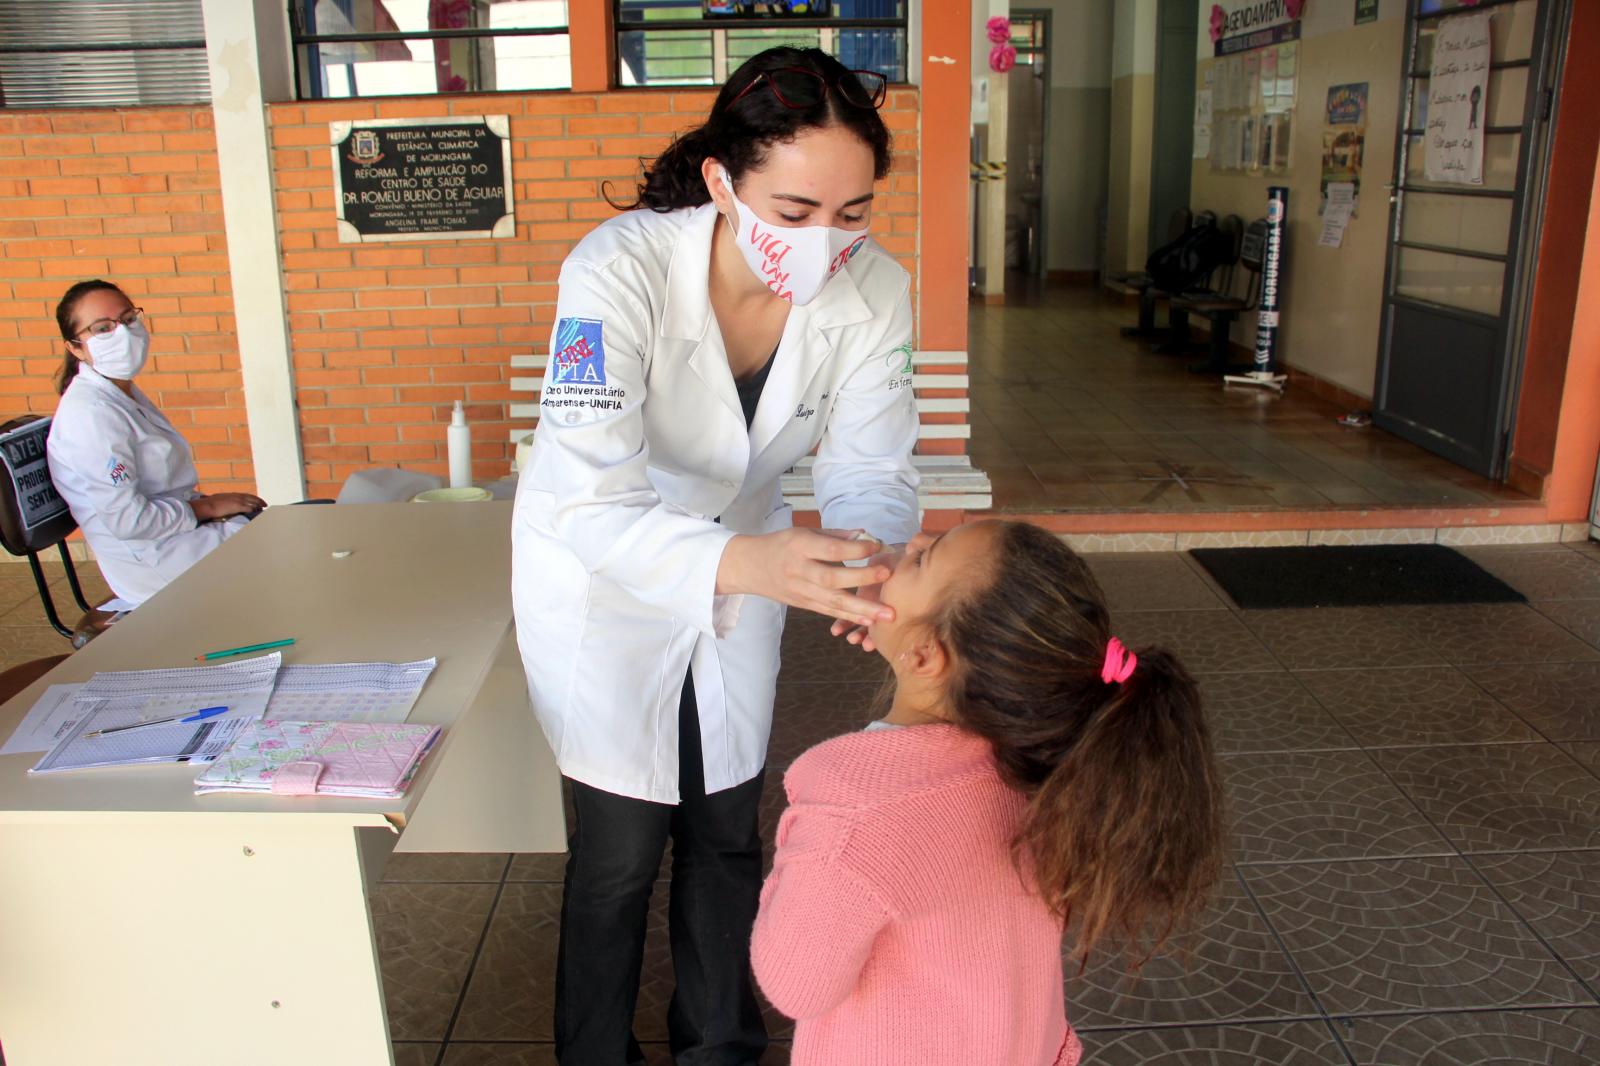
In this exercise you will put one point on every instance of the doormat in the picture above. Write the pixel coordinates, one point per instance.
(1376, 575)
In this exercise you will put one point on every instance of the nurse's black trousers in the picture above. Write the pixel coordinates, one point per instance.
(616, 848)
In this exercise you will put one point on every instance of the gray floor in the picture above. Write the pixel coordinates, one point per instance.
(1415, 796)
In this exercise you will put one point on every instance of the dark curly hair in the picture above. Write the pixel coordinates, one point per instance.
(738, 134)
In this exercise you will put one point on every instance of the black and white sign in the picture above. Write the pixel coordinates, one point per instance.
(412, 179)
(22, 453)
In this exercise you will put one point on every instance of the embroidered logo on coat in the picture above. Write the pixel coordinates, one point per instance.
(118, 471)
(578, 355)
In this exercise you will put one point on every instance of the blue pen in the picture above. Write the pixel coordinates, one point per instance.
(197, 716)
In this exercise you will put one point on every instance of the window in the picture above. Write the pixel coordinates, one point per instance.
(701, 42)
(102, 53)
(349, 48)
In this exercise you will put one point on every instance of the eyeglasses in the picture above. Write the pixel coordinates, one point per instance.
(101, 326)
(800, 90)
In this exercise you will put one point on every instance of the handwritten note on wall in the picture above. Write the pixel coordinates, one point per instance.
(1458, 101)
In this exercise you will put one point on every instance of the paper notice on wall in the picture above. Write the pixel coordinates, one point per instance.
(1202, 141)
(1458, 101)
(1269, 79)
(1336, 213)
(1252, 78)
(1202, 108)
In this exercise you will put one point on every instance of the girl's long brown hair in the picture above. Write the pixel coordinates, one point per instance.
(1123, 832)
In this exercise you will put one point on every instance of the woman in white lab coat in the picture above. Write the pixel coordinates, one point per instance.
(125, 472)
(703, 345)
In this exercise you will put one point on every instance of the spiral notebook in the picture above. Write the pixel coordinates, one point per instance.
(375, 760)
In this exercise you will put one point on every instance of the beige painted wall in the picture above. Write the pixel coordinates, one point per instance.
(1332, 296)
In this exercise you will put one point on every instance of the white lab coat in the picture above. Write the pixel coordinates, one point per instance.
(638, 452)
(128, 475)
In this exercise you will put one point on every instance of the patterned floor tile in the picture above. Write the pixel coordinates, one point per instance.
(469, 1054)
(1543, 575)
(1296, 806)
(454, 867)
(413, 1054)
(1560, 700)
(1208, 642)
(512, 992)
(427, 935)
(1150, 582)
(21, 644)
(1267, 712)
(1335, 638)
(1229, 969)
(1581, 618)
(1510, 797)
(811, 655)
(542, 867)
(1479, 634)
(1407, 934)
(1480, 1038)
(1414, 705)
(1558, 893)
(1588, 754)
(1283, 1044)
(804, 715)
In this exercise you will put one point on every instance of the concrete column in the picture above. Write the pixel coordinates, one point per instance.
(249, 52)
(1133, 97)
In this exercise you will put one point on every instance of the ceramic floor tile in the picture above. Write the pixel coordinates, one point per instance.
(1558, 893)
(413, 1054)
(1560, 700)
(810, 655)
(452, 867)
(427, 936)
(1414, 705)
(1407, 934)
(1508, 797)
(1208, 642)
(537, 867)
(1336, 638)
(1581, 618)
(1479, 634)
(1229, 969)
(1150, 582)
(805, 715)
(1480, 1038)
(1587, 754)
(512, 992)
(462, 1053)
(1542, 575)
(1283, 1044)
(21, 644)
(1297, 806)
(1267, 712)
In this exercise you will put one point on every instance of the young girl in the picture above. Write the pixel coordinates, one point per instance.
(1032, 775)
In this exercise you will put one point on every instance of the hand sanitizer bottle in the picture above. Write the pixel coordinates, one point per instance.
(458, 447)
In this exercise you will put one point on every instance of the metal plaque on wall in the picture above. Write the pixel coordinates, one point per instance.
(409, 179)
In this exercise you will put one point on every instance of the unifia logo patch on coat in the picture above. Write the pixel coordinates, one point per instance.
(579, 353)
(117, 471)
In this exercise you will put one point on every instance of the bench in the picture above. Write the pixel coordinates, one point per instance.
(949, 482)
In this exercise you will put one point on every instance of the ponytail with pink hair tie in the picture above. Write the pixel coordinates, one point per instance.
(1119, 663)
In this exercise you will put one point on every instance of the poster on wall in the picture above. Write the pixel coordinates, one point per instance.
(1366, 11)
(1458, 101)
(1347, 104)
(1245, 25)
(408, 179)
(1342, 147)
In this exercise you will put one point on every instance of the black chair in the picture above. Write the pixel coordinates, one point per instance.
(1144, 284)
(1219, 282)
(1221, 309)
(34, 518)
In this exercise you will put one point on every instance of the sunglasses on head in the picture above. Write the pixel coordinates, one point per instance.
(799, 89)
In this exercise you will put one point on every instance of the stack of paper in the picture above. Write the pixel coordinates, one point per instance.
(132, 696)
(376, 760)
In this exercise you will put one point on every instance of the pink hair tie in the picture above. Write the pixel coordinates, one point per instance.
(1119, 663)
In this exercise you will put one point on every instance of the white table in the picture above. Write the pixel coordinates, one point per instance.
(140, 923)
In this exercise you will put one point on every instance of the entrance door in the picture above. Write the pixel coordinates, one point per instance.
(1455, 295)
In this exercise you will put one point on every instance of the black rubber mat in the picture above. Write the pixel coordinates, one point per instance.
(1375, 575)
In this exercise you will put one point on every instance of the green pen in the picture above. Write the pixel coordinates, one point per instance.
(268, 646)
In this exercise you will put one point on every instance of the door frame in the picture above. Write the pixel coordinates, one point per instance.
(1510, 325)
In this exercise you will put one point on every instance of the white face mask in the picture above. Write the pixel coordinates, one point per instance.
(793, 261)
(121, 353)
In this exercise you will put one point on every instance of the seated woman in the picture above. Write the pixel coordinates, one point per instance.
(127, 474)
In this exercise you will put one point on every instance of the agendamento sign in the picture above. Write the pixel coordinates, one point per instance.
(1242, 25)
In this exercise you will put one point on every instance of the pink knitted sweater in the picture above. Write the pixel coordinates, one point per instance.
(894, 926)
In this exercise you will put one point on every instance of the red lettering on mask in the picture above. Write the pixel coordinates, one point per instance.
(772, 247)
(845, 256)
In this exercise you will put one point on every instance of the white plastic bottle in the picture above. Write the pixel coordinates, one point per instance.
(458, 448)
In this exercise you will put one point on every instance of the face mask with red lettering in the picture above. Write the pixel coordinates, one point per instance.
(793, 261)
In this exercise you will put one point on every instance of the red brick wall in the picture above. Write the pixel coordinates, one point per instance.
(386, 336)
(131, 196)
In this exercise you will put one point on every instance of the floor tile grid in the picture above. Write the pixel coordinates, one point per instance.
(477, 953)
